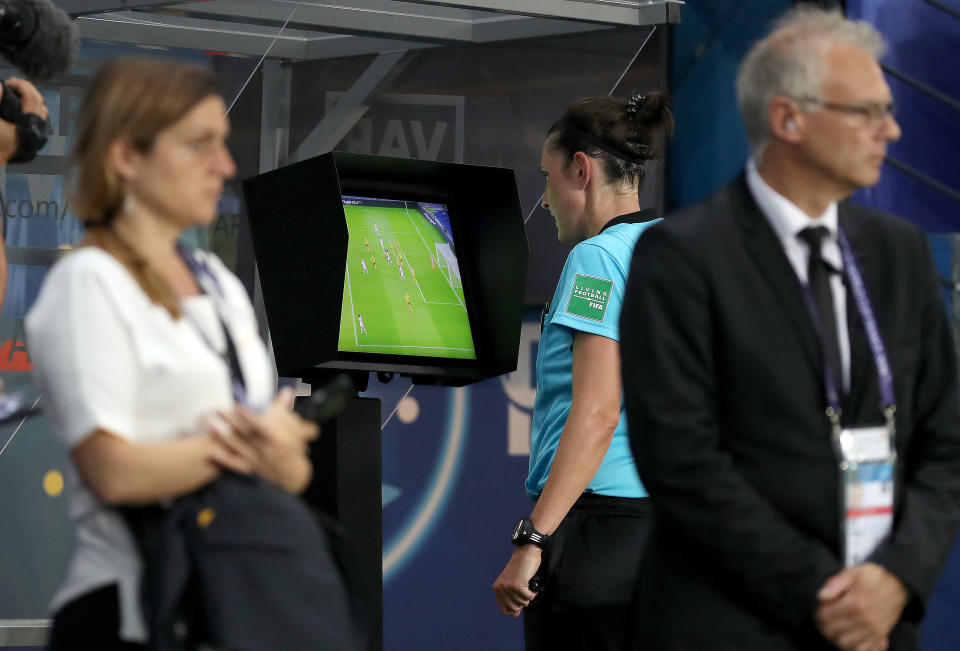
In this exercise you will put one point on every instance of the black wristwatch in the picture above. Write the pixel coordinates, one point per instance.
(525, 534)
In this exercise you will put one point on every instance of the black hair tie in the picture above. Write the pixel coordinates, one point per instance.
(616, 152)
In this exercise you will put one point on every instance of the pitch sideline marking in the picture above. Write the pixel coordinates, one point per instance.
(411, 346)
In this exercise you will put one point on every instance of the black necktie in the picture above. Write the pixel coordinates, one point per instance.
(818, 277)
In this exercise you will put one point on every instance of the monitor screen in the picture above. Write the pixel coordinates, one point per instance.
(402, 290)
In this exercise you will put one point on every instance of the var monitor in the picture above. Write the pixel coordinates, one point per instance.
(372, 263)
(402, 289)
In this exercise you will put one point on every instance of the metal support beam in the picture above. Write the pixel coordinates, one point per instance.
(33, 255)
(381, 18)
(167, 31)
(77, 8)
(234, 38)
(353, 105)
(334, 46)
(638, 13)
(275, 115)
(24, 632)
(330, 30)
(506, 28)
(274, 147)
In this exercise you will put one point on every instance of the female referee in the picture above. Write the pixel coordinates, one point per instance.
(572, 571)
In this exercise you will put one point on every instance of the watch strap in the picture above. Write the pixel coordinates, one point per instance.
(527, 534)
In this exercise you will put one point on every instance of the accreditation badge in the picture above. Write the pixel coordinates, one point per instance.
(867, 463)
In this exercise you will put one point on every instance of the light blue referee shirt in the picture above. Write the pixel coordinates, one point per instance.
(587, 299)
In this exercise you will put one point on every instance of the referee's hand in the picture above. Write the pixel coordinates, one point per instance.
(512, 588)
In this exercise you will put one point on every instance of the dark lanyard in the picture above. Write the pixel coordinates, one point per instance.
(210, 285)
(862, 300)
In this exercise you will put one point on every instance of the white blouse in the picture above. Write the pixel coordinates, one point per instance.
(106, 357)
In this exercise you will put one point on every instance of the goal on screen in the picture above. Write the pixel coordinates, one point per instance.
(447, 262)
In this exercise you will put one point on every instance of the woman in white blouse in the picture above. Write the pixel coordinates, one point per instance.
(147, 353)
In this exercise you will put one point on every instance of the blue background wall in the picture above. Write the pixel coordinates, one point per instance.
(709, 146)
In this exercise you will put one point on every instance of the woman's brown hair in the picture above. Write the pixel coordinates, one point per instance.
(623, 134)
(134, 100)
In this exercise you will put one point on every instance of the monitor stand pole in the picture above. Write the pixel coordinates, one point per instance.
(346, 486)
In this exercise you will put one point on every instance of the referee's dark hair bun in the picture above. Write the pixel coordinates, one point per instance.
(651, 111)
(623, 133)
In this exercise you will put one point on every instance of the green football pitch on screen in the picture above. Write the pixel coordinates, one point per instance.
(402, 293)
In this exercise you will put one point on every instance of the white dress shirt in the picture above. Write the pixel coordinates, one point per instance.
(787, 221)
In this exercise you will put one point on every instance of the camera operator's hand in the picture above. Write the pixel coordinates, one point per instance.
(31, 99)
(31, 102)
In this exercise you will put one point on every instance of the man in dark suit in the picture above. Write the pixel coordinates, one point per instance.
(725, 373)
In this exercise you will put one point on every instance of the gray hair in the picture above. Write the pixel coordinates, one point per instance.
(789, 62)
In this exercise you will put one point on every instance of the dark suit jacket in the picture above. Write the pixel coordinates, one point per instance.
(725, 399)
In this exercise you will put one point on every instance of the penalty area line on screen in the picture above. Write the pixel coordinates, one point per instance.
(455, 295)
(407, 210)
(414, 224)
(426, 302)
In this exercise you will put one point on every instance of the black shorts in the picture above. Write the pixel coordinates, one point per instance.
(589, 577)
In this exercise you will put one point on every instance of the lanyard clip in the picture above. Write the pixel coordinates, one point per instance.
(889, 411)
(833, 415)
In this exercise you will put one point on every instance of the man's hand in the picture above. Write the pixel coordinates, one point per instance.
(31, 101)
(512, 587)
(859, 606)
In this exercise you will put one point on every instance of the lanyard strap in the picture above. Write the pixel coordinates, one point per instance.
(862, 300)
(210, 285)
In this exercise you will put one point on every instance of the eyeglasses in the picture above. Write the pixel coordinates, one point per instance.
(874, 113)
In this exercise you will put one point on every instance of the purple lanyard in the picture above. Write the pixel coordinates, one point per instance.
(210, 285)
(859, 291)
(200, 270)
